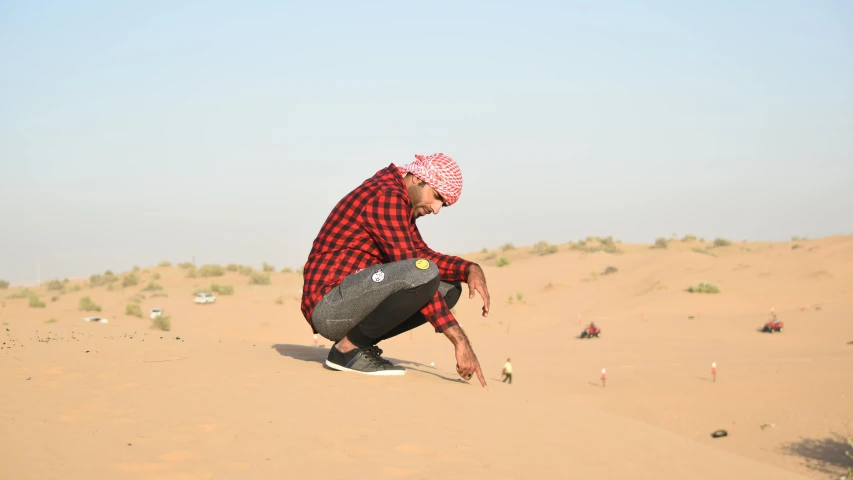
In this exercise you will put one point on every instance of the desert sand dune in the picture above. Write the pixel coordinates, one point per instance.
(237, 388)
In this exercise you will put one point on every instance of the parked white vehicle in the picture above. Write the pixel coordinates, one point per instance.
(204, 298)
(96, 319)
(156, 312)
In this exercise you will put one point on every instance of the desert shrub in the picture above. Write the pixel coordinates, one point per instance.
(211, 270)
(222, 289)
(152, 287)
(490, 256)
(509, 300)
(35, 302)
(798, 239)
(721, 242)
(186, 265)
(87, 305)
(507, 246)
(259, 278)
(661, 242)
(192, 273)
(22, 293)
(796, 246)
(133, 309)
(286, 270)
(502, 262)
(544, 248)
(76, 288)
(279, 300)
(593, 244)
(55, 285)
(130, 280)
(232, 267)
(267, 267)
(702, 250)
(688, 238)
(164, 263)
(4, 284)
(156, 276)
(609, 270)
(519, 296)
(51, 320)
(245, 270)
(136, 268)
(98, 280)
(163, 322)
(703, 287)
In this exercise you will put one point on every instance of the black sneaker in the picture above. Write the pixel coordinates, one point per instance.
(362, 360)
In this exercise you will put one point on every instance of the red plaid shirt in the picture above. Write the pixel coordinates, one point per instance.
(371, 225)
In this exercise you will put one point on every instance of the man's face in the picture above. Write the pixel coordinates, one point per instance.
(425, 200)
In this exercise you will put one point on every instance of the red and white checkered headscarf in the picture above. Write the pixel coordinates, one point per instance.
(440, 172)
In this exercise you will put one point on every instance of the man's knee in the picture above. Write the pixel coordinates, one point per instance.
(453, 293)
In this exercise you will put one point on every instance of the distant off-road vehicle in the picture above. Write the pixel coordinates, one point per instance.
(774, 325)
(156, 312)
(204, 298)
(591, 331)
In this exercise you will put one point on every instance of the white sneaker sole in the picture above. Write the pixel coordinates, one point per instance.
(380, 372)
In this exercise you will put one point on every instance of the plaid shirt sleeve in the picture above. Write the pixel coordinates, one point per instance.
(387, 218)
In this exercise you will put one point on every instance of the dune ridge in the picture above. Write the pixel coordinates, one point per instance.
(237, 387)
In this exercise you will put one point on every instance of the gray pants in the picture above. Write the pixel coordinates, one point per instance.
(386, 298)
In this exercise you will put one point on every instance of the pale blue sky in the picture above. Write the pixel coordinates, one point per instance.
(135, 132)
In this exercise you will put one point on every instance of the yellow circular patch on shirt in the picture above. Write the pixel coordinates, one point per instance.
(422, 264)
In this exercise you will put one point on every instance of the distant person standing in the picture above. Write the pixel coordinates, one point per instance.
(507, 372)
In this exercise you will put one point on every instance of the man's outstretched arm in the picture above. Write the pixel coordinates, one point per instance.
(467, 364)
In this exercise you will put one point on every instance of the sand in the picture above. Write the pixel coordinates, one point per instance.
(237, 388)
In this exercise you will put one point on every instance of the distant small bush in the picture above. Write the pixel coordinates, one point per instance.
(133, 309)
(703, 288)
(4, 284)
(156, 276)
(87, 305)
(55, 285)
(164, 263)
(609, 270)
(507, 246)
(721, 242)
(130, 280)
(50, 320)
(163, 322)
(22, 293)
(35, 302)
(98, 280)
(211, 270)
(594, 244)
(519, 296)
(490, 256)
(279, 300)
(502, 262)
(544, 248)
(286, 270)
(54, 298)
(259, 278)
(245, 270)
(222, 289)
(186, 265)
(192, 273)
(798, 239)
(267, 267)
(76, 288)
(152, 287)
(796, 246)
(232, 267)
(661, 242)
(688, 238)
